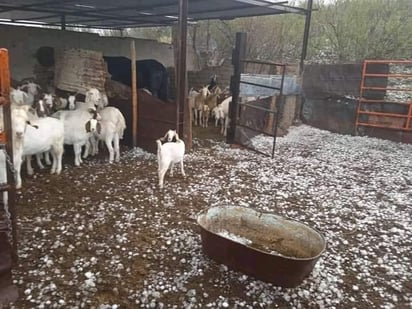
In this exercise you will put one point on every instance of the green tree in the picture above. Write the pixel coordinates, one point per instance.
(352, 30)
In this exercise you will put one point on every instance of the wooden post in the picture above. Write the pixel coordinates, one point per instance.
(239, 54)
(134, 92)
(182, 104)
(271, 116)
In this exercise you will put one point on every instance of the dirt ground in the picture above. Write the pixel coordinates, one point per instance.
(104, 236)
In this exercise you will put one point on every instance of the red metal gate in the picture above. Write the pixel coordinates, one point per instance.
(372, 111)
(8, 253)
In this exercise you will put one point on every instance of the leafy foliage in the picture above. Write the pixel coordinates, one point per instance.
(341, 31)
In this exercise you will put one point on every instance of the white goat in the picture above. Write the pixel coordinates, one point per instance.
(49, 100)
(20, 120)
(222, 113)
(48, 136)
(40, 109)
(93, 98)
(70, 102)
(32, 92)
(205, 116)
(197, 103)
(169, 153)
(113, 125)
(105, 100)
(79, 125)
(18, 97)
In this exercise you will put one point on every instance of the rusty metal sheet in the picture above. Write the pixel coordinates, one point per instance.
(265, 246)
(155, 117)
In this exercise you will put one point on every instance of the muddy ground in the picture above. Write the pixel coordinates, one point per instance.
(104, 236)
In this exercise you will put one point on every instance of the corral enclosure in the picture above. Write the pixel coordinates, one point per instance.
(104, 236)
(331, 96)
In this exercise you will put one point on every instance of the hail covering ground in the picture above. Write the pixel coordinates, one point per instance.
(104, 236)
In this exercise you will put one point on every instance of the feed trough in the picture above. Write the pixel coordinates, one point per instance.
(265, 246)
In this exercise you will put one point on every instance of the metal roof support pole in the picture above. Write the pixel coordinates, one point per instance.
(238, 55)
(181, 97)
(134, 91)
(306, 35)
(63, 22)
(304, 51)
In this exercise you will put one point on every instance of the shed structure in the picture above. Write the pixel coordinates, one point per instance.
(107, 14)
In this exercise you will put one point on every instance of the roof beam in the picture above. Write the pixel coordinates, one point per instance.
(36, 4)
(274, 5)
(105, 16)
(150, 17)
(58, 13)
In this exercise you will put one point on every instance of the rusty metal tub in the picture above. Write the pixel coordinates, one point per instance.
(265, 246)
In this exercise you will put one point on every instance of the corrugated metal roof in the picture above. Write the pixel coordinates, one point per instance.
(131, 13)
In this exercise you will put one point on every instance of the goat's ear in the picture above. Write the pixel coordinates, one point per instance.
(23, 86)
(99, 128)
(32, 110)
(33, 125)
(88, 126)
(91, 111)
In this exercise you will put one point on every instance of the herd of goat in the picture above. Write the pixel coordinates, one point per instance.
(42, 123)
(208, 101)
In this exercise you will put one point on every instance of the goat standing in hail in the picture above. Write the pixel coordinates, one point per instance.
(169, 153)
(113, 125)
